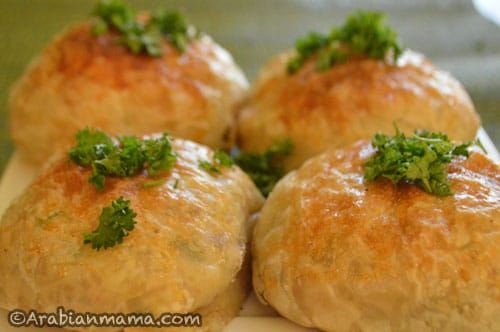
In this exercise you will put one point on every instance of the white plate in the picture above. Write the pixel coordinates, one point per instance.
(252, 317)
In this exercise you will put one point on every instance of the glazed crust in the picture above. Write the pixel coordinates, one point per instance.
(80, 80)
(334, 252)
(218, 313)
(352, 101)
(186, 248)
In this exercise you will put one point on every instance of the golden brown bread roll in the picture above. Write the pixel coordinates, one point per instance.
(218, 313)
(81, 80)
(183, 255)
(333, 252)
(351, 101)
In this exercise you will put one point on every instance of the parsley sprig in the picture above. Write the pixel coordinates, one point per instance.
(140, 37)
(363, 33)
(91, 145)
(158, 155)
(174, 27)
(125, 157)
(420, 159)
(115, 223)
(266, 168)
(220, 159)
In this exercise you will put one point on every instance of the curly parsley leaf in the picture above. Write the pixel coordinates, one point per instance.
(306, 47)
(92, 144)
(131, 156)
(112, 14)
(363, 33)
(115, 223)
(420, 159)
(220, 159)
(208, 166)
(127, 157)
(223, 158)
(366, 33)
(266, 168)
(158, 155)
(174, 27)
(328, 59)
(141, 37)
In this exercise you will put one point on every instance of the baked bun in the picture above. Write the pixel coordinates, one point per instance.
(336, 253)
(81, 80)
(218, 313)
(186, 249)
(352, 101)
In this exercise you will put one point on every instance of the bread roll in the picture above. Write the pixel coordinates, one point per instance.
(81, 80)
(183, 255)
(351, 101)
(334, 252)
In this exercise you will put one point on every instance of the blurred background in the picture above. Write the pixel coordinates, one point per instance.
(460, 36)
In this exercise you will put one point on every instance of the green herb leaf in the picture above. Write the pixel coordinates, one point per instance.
(158, 155)
(100, 27)
(174, 27)
(306, 47)
(366, 33)
(139, 37)
(208, 166)
(98, 180)
(327, 59)
(127, 157)
(115, 223)
(92, 144)
(131, 156)
(421, 159)
(114, 13)
(363, 33)
(265, 169)
(221, 159)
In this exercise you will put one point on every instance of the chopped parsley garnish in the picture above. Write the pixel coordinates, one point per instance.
(92, 144)
(174, 27)
(126, 157)
(158, 155)
(208, 166)
(141, 37)
(306, 47)
(221, 159)
(363, 33)
(266, 168)
(420, 159)
(115, 222)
